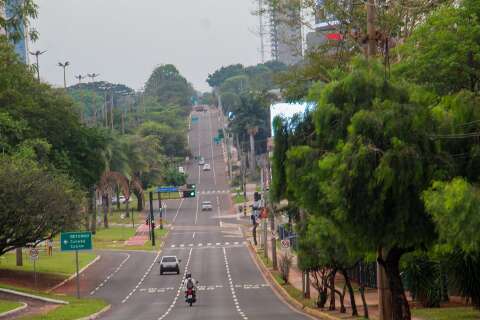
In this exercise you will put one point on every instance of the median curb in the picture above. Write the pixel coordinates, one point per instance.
(283, 294)
(96, 315)
(74, 275)
(7, 313)
(32, 296)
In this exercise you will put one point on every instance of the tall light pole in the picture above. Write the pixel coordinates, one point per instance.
(37, 54)
(64, 66)
(92, 76)
(80, 78)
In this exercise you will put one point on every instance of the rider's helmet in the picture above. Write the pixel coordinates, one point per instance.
(188, 275)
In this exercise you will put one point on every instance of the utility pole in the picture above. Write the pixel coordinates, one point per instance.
(37, 54)
(160, 210)
(64, 66)
(371, 30)
(152, 219)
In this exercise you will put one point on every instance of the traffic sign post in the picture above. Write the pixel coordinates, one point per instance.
(285, 243)
(34, 258)
(76, 241)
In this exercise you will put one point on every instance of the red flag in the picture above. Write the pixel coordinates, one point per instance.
(334, 36)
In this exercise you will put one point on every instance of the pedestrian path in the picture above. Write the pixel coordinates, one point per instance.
(140, 237)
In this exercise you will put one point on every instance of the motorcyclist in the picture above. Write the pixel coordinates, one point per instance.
(190, 283)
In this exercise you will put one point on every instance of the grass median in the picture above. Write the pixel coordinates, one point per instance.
(59, 263)
(6, 305)
(114, 238)
(75, 309)
(448, 313)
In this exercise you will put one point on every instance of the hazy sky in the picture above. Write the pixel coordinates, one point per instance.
(124, 40)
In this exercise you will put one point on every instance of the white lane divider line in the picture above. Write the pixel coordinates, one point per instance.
(104, 282)
(180, 287)
(232, 287)
(142, 279)
(178, 210)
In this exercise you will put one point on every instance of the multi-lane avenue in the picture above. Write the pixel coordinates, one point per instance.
(210, 245)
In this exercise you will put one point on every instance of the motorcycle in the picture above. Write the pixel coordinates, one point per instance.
(190, 296)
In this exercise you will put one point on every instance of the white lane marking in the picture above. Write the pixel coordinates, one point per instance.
(196, 210)
(179, 288)
(218, 209)
(232, 288)
(193, 235)
(178, 210)
(142, 279)
(104, 282)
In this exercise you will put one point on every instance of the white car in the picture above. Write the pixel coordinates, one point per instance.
(207, 206)
(181, 169)
(201, 161)
(206, 167)
(170, 264)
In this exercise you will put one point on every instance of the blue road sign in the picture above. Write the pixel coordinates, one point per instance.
(167, 189)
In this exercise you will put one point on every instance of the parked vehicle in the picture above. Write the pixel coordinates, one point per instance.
(207, 206)
(170, 264)
(181, 169)
(206, 167)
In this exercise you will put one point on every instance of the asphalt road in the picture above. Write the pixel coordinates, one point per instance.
(211, 247)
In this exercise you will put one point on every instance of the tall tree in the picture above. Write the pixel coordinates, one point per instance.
(169, 86)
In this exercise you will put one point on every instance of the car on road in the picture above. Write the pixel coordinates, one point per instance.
(201, 162)
(170, 264)
(207, 206)
(206, 167)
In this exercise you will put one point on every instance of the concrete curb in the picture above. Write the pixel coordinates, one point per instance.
(74, 275)
(98, 314)
(32, 296)
(283, 293)
(7, 313)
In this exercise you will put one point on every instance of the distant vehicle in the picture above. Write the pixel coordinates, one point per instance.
(206, 167)
(122, 199)
(181, 169)
(170, 264)
(199, 108)
(201, 162)
(207, 206)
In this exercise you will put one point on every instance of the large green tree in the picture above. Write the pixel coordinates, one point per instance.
(169, 86)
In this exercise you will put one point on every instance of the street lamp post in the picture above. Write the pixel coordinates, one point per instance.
(64, 66)
(37, 54)
(92, 76)
(80, 78)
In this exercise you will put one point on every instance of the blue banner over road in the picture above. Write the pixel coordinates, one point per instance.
(164, 189)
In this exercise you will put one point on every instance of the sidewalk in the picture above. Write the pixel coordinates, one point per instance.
(295, 279)
(140, 237)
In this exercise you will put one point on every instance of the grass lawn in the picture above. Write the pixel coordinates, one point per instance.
(239, 198)
(462, 313)
(115, 237)
(8, 305)
(77, 308)
(60, 263)
(116, 217)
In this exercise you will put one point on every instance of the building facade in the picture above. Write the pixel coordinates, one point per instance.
(285, 33)
(21, 45)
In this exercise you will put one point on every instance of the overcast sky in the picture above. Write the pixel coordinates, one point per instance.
(124, 40)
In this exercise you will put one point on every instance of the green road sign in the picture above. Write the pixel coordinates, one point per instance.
(74, 241)
(194, 119)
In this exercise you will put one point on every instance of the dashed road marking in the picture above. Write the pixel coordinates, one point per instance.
(232, 287)
(177, 295)
(142, 279)
(209, 244)
(104, 282)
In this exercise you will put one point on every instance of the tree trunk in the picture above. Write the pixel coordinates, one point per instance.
(307, 284)
(105, 211)
(348, 283)
(118, 197)
(400, 306)
(384, 294)
(332, 290)
(139, 201)
(93, 212)
(19, 256)
(364, 301)
(127, 208)
(252, 153)
(341, 296)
